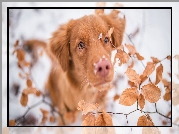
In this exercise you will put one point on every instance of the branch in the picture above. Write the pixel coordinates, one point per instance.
(23, 116)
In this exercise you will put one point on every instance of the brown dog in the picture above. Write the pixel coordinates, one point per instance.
(82, 67)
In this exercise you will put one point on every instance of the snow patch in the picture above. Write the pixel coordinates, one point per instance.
(100, 36)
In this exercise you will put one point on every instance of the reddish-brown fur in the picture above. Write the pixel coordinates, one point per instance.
(72, 78)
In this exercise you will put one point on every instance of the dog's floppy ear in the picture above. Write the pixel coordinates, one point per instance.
(59, 44)
(118, 24)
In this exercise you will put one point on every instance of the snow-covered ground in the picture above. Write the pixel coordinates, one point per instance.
(153, 39)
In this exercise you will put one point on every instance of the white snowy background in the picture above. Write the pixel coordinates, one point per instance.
(153, 39)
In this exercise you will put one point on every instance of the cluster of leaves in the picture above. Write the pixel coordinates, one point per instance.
(103, 119)
(22, 63)
(30, 89)
(138, 91)
(20, 55)
(46, 117)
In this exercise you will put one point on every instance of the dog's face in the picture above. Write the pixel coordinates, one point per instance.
(83, 48)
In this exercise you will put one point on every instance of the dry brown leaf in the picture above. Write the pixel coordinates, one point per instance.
(132, 64)
(104, 119)
(168, 57)
(169, 74)
(116, 97)
(52, 119)
(150, 130)
(123, 57)
(19, 65)
(139, 57)
(133, 76)
(86, 107)
(175, 100)
(44, 120)
(159, 72)
(107, 119)
(45, 116)
(166, 83)
(132, 84)
(12, 123)
(16, 44)
(155, 60)
(149, 69)
(38, 93)
(164, 123)
(21, 76)
(26, 64)
(168, 89)
(131, 49)
(143, 78)
(30, 91)
(44, 112)
(100, 121)
(110, 31)
(29, 83)
(24, 99)
(129, 96)
(20, 55)
(145, 121)
(168, 114)
(167, 96)
(141, 101)
(148, 117)
(89, 120)
(151, 93)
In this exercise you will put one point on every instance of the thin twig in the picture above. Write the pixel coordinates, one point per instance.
(23, 116)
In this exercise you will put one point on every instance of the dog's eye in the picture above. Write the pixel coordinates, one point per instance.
(106, 40)
(81, 45)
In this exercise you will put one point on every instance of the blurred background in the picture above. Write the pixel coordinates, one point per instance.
(149, 30)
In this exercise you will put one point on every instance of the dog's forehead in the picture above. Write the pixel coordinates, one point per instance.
(91, 24)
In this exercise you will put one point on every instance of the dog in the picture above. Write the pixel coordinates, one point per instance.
(82, 67)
